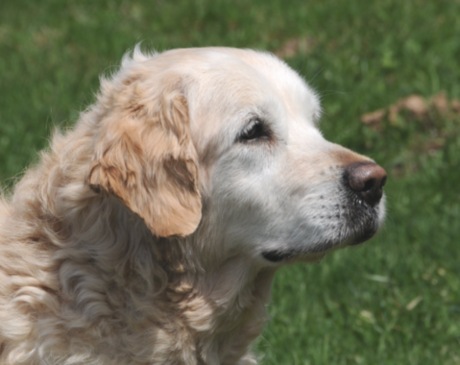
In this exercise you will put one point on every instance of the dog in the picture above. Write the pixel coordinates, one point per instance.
(150, 232)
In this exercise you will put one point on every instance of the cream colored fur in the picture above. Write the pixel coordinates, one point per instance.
(139, 236)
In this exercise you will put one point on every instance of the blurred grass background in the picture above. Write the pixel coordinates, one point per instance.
(395, 300)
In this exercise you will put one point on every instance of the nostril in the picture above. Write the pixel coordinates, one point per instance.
(374, 183)
(367, 180)
(369, 184)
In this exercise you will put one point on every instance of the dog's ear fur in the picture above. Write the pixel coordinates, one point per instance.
(145, 157)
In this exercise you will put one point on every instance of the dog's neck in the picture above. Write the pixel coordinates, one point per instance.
(222, 304)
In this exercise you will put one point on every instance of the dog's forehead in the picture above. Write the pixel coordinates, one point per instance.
(257, 76)
(228, 83)
(227, 75)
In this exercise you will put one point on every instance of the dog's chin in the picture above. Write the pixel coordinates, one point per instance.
(363, 236)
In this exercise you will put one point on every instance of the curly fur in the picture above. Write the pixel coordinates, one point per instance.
(118, 247)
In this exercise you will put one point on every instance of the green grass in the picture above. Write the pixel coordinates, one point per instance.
(395, 300)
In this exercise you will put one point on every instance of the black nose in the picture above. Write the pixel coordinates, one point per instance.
(366, 179)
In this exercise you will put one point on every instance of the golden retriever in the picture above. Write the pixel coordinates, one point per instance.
(150, 233)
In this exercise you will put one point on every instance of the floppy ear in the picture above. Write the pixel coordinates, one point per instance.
(146, 158)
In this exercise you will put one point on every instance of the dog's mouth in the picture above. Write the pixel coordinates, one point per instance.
(278, 255)
(356, 226)
(314, 251)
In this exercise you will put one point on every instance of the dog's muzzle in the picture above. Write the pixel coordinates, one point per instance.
(358, 220)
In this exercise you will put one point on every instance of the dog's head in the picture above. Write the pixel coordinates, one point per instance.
(224, 143)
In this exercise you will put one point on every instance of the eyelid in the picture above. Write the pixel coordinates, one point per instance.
(252, 122)
(255, 130)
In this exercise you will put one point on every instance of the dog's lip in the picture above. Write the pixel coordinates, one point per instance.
(284, 256)
(277, 255)
(311, 253)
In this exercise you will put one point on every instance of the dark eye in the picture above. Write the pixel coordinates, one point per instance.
(255, 130)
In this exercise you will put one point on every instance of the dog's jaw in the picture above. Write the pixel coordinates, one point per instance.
(355, 224)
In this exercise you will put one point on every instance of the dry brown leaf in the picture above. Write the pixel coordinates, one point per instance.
(373, 118)
(440, 103)
(295, 46)
(455, 105)
(415, 104)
